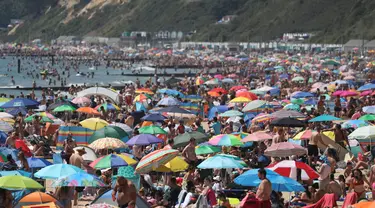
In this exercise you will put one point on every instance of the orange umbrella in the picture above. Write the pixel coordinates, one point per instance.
(214, 94)
(37, 197)
(88, 110)
(144, 90)
(219, 89)
(246, 94)
(147, 123)
(364, 204)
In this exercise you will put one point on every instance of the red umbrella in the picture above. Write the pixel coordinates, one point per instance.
(239, 87)
(257, 137)
(218, 89)
(284, 149)
(288, 168)
(365, 93)
(246, 94)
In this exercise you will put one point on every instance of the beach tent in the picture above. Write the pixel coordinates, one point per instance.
(90, 153)
(81, 135)
(106, 197)
(46, 205)
(35, 198)
(114, 96)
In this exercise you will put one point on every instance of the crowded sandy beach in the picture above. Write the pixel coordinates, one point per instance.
(99, 127)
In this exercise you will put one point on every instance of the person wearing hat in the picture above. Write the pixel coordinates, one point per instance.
(77, 160)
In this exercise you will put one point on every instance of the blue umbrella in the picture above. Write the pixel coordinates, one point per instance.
(284, 76)
(302, 95)
(324, 117)
(168, 101)
(56, 171)
(15, 172)
(222, 161)
(155, 117)
(171, 92)
(368, 86)
(279, 183)
(38, 162)
(8, 151)
(143, 139)
(369, 109)
(21, 102)
(3, 137)
(216, 109)
(310, 102)
(15, 111)
(173, 109)
(354, 124)
(227, 80)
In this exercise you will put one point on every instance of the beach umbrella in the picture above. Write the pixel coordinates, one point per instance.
(292, 106)
(60, 103)
(354, 124)
(240, 100)
(219, 76)
(56, 171)
(227, 80)
(369, 109)
(36, 197)
(107, 107)
(142, 98)
(367, 117)
(225, 140)
(288, 168)
(366, 132)
(368, 86)
(213, 94)
(144, 90)
(222, 161)
(5, 115)
(349, 94)
(216, 109)
(112, 160)
(88, 110)
(364, 204)
(80, 179)
(16, 111)
(303, 135)
(90, 153)
(279, 183)
(109, 131)
(297, 101)
(231, 113)
(19, 182)
(155, 159)
(43, 119)
(239, 87)
(287, 122)
(154, 117)
(199, 81)
(35, 162)
(107, 143)
(170, 92)
(168, 101)
(300, 94)
(206, 149)
(176, 111)
(193, 98)
(324, 118)
(5, 127)
(143, 140)
(258, 136)
(183, 139)
(123, 126)
(21, 102)
(365, 93)
(16, 172)
(94, 123)
(287, 113)
(172, 81)
(81, 101)
(219, 90)
(253, 105)
(152, 130)
(8, 120)
(212, 82)
(298, 79)
(284, 149)
(310, 102)
(262, 117)
(177, 164)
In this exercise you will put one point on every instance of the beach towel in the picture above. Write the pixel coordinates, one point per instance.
(350, 199)
(80, 135)
(328, 201)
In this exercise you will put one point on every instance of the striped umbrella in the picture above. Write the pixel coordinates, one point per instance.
(225, 140)
(303, 135)
(107, 106)
(5, 127)
(107, 143)
(144, 90)
(112, 160)
(153, 160)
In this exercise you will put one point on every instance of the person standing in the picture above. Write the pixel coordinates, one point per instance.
(69, 145)
(312, 147)
(77, 160)
(264, 191)
(189, 153)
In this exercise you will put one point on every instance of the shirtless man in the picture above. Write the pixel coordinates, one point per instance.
(264, 190)
(340, 136)
(312, 147)
(125, 191)
(10, 141)
(189, 152)
(279, 137)
(372, 180)
(334, 187)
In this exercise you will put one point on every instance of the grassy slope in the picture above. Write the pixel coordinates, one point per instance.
(332, 21)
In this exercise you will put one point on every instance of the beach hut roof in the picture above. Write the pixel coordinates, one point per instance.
(355, 42)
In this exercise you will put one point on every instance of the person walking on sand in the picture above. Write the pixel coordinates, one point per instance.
(263, 194)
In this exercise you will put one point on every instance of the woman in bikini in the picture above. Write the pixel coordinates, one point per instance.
(357, 184)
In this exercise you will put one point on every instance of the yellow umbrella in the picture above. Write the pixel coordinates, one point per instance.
(94, 123)
(240, 100)
(177, 164)
(107, 143)
(8, 120)
(330, 134)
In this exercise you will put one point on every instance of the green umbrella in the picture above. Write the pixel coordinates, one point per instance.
(19, 182)
(63, 108)
(231, 113)
(367, 117)
(298, 101)
(109, 131)
(254, 105)
(152, 130)
(184, 139)
(44, 119)
(206, 149)
(298, 79)
(292, 106)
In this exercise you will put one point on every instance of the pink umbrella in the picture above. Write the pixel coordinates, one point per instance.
(288, 168)
(232, 76)
(350, 77)
(338, 92)
(219, 76)
(284, 149)
(365, 93)
(348, 94)
(257, 137)
(81, 100)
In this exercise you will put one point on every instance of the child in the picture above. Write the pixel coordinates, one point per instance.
(342, 184)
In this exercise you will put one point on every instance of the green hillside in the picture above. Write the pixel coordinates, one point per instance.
(332, 21)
